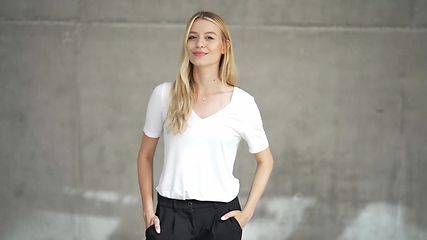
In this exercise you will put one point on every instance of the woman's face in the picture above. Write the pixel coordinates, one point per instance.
(204, 44)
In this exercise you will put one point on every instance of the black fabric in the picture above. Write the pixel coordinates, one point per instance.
(195, 220)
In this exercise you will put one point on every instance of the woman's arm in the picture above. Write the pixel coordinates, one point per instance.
(262, 174)
(145, 178)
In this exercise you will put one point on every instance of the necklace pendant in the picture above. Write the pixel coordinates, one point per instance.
(203, 98)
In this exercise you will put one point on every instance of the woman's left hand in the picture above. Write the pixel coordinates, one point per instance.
(241, 216)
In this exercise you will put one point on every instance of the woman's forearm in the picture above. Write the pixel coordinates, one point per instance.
(145, 174)
(260, 180)
(145, 179)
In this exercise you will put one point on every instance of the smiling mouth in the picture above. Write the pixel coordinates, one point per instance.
(199, 54)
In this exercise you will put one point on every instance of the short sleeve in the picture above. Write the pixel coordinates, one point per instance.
(154, 117)
(253, 131)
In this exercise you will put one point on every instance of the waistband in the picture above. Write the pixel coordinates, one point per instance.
(188, 204)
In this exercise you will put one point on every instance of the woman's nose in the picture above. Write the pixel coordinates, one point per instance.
(200, 43)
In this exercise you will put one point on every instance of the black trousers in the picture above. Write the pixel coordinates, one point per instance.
(195, 220)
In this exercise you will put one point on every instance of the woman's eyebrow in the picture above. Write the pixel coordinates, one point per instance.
(193, 32)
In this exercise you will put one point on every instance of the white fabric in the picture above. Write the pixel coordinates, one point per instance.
(198, 164)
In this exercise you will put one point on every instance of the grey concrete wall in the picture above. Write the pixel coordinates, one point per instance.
(341, 85)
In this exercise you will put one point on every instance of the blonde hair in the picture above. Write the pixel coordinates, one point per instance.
(183, 93)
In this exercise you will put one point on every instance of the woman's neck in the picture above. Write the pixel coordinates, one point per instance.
(206, 79)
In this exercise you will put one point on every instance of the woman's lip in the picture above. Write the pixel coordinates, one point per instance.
(199, 53)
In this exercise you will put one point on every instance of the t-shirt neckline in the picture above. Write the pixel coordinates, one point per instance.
(219, 111)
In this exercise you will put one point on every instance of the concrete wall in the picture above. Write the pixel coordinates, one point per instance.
(341, 86)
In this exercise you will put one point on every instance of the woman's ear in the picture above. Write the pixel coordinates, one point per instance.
(226, 47)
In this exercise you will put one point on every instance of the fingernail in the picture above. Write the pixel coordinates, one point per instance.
(223, 218)
(158, 231)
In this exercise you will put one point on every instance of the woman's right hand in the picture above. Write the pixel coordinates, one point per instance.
(153, 220)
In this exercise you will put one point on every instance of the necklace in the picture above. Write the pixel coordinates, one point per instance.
(203, 98)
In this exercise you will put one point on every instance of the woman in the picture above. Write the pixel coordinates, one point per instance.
(202, 116)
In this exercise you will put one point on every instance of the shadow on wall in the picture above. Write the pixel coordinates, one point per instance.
(282, 216)
(278, 218)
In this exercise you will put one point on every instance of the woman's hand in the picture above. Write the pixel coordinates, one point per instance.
(242, 217)
(153, 220)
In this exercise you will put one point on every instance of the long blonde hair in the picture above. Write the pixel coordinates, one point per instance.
(183, 92)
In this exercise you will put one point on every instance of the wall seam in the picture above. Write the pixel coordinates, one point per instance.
(249, 27)
(77, 230)
(402, 166)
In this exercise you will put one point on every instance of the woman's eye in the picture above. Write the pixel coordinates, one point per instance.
(210, 38)
(191, 37)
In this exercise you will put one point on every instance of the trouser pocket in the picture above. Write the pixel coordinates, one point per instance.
(229, 229)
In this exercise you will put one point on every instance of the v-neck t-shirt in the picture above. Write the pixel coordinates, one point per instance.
(198, 163)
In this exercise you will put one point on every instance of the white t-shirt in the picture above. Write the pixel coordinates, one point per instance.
(198, 164)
